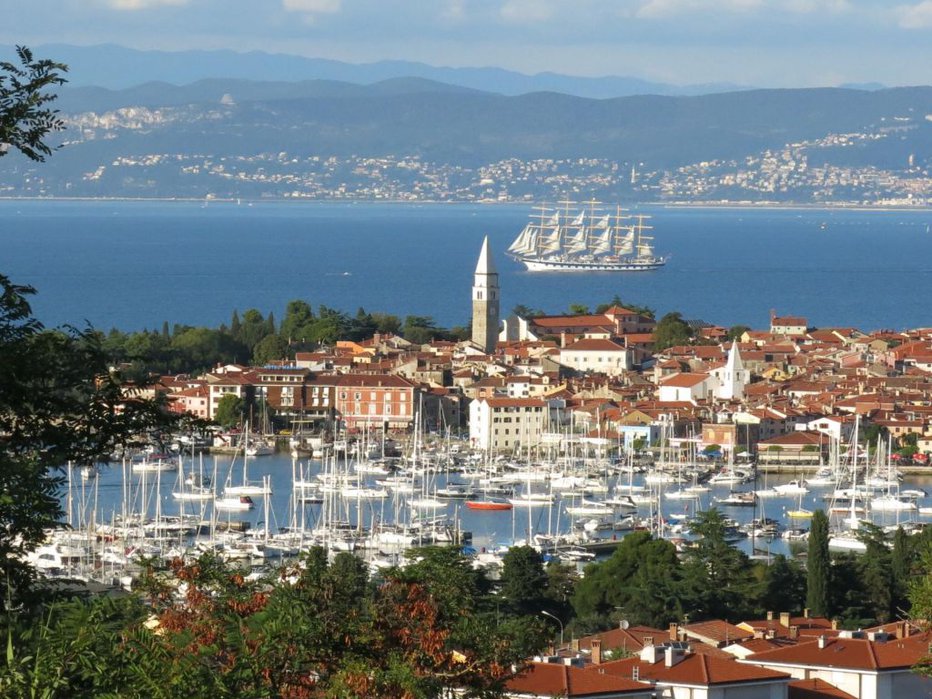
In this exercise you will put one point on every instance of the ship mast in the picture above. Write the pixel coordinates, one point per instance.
(644, 248)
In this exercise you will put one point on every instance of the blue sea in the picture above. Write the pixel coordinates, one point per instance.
(133, 265)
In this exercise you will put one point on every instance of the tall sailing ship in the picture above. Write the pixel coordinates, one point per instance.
(587, 239)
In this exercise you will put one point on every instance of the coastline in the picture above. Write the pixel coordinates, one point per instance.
(719, 205)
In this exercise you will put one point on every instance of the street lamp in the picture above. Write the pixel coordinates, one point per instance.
(557, 619)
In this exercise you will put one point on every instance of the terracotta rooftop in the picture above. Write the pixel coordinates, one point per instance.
(816, 689)
(849, 653)
(558, 680)
(684, 380)
(696, 669)
(716, 632)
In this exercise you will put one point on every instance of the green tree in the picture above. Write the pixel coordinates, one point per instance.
(523, 581)
(735, 332)
(25, 117)
(717, 578)
(784, 586)
(59, 402)
(295, 324)
(386, 323)
(270, 348)
(419, 329)
(254, 328)
(818, 566)
(523, 311)
(361, 327)
(640, 580)
(902, 558)
(202, 348)
(670, 331)
(578, 309)
(230, 410)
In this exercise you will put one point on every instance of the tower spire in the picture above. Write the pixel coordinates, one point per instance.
(485, 301)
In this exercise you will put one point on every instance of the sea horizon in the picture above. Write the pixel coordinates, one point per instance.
(136, 264)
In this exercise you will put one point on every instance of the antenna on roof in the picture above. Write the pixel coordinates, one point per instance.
(624, 624)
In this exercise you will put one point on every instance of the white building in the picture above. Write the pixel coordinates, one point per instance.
(686, 387)
(596, 355)
(507, 424)
(732, 378)
(864, 668)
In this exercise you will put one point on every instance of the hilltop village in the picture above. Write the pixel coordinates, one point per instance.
(785, 393)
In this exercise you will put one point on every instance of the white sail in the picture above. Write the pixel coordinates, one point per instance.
(578, 221)
(550, 242)
(602, 223)
(601, 244)
(624, 245)
(577, 243)
(523, 243)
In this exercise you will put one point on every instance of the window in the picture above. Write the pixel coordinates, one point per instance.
(342, 395)
(357, 395)
(371, 395)
(388, 410)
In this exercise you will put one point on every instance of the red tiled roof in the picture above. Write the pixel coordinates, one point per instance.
(684, 380)
(696, 669)
(557, 680)
(850, 653)
(705, 670)
(816, 689)
(717, 631)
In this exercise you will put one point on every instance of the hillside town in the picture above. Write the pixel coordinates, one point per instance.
(785, 395)
(817, 171)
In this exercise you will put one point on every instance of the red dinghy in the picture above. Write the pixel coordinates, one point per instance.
(488, 505)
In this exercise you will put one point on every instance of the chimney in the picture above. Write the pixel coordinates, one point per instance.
(784, 618)
(650, 653)
(823, 641)
(901, 629)
(834, 624)
(596, 652)
(794, 633)
(574, 645)
(563, 339)
(771, 634)
(769, 616)
(648, 640)
(672, 656)
(674, 629)
(806, 612)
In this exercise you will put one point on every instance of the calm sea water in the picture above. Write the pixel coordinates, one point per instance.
(133, 265)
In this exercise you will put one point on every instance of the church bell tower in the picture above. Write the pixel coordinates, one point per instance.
(485, 300)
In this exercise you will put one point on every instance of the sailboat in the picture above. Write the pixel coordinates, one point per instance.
(246, 488)
(585, 240)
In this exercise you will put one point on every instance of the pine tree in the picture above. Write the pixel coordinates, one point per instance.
(818, 566)
(901, 559)
(235, 326)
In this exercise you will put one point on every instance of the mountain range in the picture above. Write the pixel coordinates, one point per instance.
(447, 124)
(117, 67)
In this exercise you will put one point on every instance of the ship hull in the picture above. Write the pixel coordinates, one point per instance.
(593, 266)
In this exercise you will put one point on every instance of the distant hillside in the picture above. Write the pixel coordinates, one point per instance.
(116, 67)
(313, 139)
(447, 124)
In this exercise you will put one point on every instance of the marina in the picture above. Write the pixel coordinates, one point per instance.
(571, 506)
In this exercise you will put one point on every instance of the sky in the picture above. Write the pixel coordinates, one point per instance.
(763, 43)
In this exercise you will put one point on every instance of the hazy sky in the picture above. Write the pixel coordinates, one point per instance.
(753, 42)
